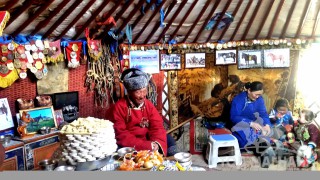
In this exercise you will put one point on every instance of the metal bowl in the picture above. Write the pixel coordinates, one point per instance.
(183, 157)
(48, 164)
(64, 168)
(5, 139)
(123, 151)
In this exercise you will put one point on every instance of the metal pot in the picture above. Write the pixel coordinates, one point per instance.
(48, 164)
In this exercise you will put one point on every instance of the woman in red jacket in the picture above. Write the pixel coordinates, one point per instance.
(137, 122)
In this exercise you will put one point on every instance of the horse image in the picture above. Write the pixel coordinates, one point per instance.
(226, 56)
(275, 57)
(249, 58)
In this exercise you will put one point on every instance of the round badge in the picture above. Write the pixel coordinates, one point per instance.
(73, 55)
(39, 75)
(45, 71)
(10, 56)
(23, 65)
(22, 75)
(75, 47)
(54, 48)
(10, 66)
(41, 55)
(10, 46)
(38, 65)
(29, 65)
(4, 48)
(35, 55)
(33, 69)
(20, 49)
(39, 43)
(34, 48)
(23, 56)
(92, 46)
(74, 61)
(4, 59)
(44, 60)
(27, 47)
(17, 63)
(4, 69)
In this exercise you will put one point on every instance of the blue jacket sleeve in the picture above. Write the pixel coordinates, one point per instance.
(261, 108)
(237, 106)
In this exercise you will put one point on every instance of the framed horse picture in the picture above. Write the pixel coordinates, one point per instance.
(195, 60)
(276, 58)
(250, 59)
(225, 57)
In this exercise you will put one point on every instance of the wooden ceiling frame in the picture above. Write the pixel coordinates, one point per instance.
(314, 29)
(130, 16)
(253, 16)
(214, 28)
(9, 5)
(241, 19)
(174, 16)
(265, 17)
(275, 19)
(148, 22)
(173, 35)
(216, 4)
(116, 18)
(45, 22)
(19, 11)
(142, 15)
(197, 20)
(76, 19)
(32, 18)
(157, 25)
(91, 19)
(285, 27)
(233, 15)
(61, 19)
(303, 20)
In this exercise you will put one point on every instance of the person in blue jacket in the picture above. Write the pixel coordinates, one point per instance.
(251, 123)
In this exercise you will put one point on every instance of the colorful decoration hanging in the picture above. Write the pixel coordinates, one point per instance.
(94, 47)
(53, 52)
(73, 51)
(8, 73)
(4, 18)
(225, 21)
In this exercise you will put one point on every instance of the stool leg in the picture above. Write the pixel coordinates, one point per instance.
(213, 157)
(237, 154)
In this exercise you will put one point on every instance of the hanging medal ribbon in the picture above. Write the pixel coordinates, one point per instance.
(73, 51)
(53, 52)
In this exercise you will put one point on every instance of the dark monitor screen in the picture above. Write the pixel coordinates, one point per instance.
(61, 100)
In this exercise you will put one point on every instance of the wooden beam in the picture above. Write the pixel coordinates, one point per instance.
(9, 5)
(45, 22)
(240, 21)
(173, 35)
(77, 18)
(19, 11)
(156, 27)
(216, 4)
(285, 27)
(32, 18)
(271, 2)
(214, 28)
(175, 15)
(148, 22)
(130, 16)
(147, 8)
(117, 17)
(61, 19)
(233, 15)
(314, 29)
(275, 18)
(91, 19)
(254, 14)
(303, 20)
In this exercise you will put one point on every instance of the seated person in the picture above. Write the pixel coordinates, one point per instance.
(137, 122)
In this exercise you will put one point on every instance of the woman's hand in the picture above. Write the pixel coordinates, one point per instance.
(267, 130)
(155, 146)
(256, 126)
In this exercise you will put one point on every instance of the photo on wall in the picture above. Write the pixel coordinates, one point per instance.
(250, 59)
(195, 60)
(276, 58)
(6, 121)
(170, 61)
(225, 57)
(147, 61)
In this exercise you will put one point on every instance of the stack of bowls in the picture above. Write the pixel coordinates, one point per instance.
(184, 159)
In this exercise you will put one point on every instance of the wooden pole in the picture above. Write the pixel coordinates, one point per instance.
(185, 122)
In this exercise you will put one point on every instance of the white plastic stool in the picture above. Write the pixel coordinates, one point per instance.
(222, 140)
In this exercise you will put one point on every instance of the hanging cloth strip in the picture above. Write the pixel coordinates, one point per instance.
(94, 46)
(72, 52)
(4, 18)
(53, 52)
